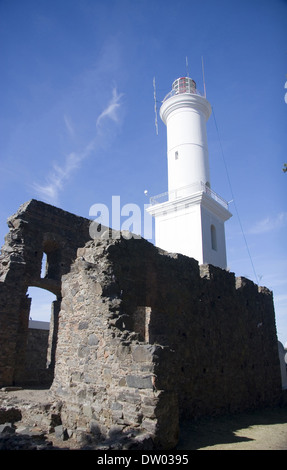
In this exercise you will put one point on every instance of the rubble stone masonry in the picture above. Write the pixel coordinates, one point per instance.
(146, 338)
(36, 228)
(208, 344)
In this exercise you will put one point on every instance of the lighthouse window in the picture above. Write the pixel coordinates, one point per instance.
(176, 155)
(213, 237)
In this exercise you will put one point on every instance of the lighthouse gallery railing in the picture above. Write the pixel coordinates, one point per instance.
(190, 189)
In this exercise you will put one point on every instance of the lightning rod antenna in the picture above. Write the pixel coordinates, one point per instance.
(203, 77)
(186, 65)
(155, 107)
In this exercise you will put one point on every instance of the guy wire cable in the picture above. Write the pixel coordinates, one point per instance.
(232, 195)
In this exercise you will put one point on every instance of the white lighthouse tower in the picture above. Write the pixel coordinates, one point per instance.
(189, 218)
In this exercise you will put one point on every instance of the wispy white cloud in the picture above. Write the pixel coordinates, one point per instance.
(61, 172)
(269, 223)
(58, 175)
(111, 110)
(69, 125)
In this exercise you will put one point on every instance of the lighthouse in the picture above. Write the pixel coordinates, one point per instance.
(190, 216)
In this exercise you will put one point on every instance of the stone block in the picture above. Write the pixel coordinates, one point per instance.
(61, 432)
(93, 340)
(143, 352)
(136, 381)
(7, 428)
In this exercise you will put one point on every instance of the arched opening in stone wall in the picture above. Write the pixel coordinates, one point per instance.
(42, 299)
(42, 335)
(39, 249)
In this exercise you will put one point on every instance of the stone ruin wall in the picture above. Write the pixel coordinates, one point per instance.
(36, 228)
(36, 370)
(146, 339)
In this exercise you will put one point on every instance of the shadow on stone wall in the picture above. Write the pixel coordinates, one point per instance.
(139, 338)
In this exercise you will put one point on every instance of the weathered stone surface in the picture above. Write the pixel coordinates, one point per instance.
(35, 229)
(61, 433)
(136, 381)
(10, 414)
(7, 428)
(143, 337)
(188, 353)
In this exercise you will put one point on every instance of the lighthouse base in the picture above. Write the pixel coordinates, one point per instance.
(192, 226)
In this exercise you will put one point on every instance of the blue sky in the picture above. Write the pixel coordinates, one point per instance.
(77, 112)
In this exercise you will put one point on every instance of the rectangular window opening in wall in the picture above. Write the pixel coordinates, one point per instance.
(44, 265)
(176, 155)
(142, 321)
